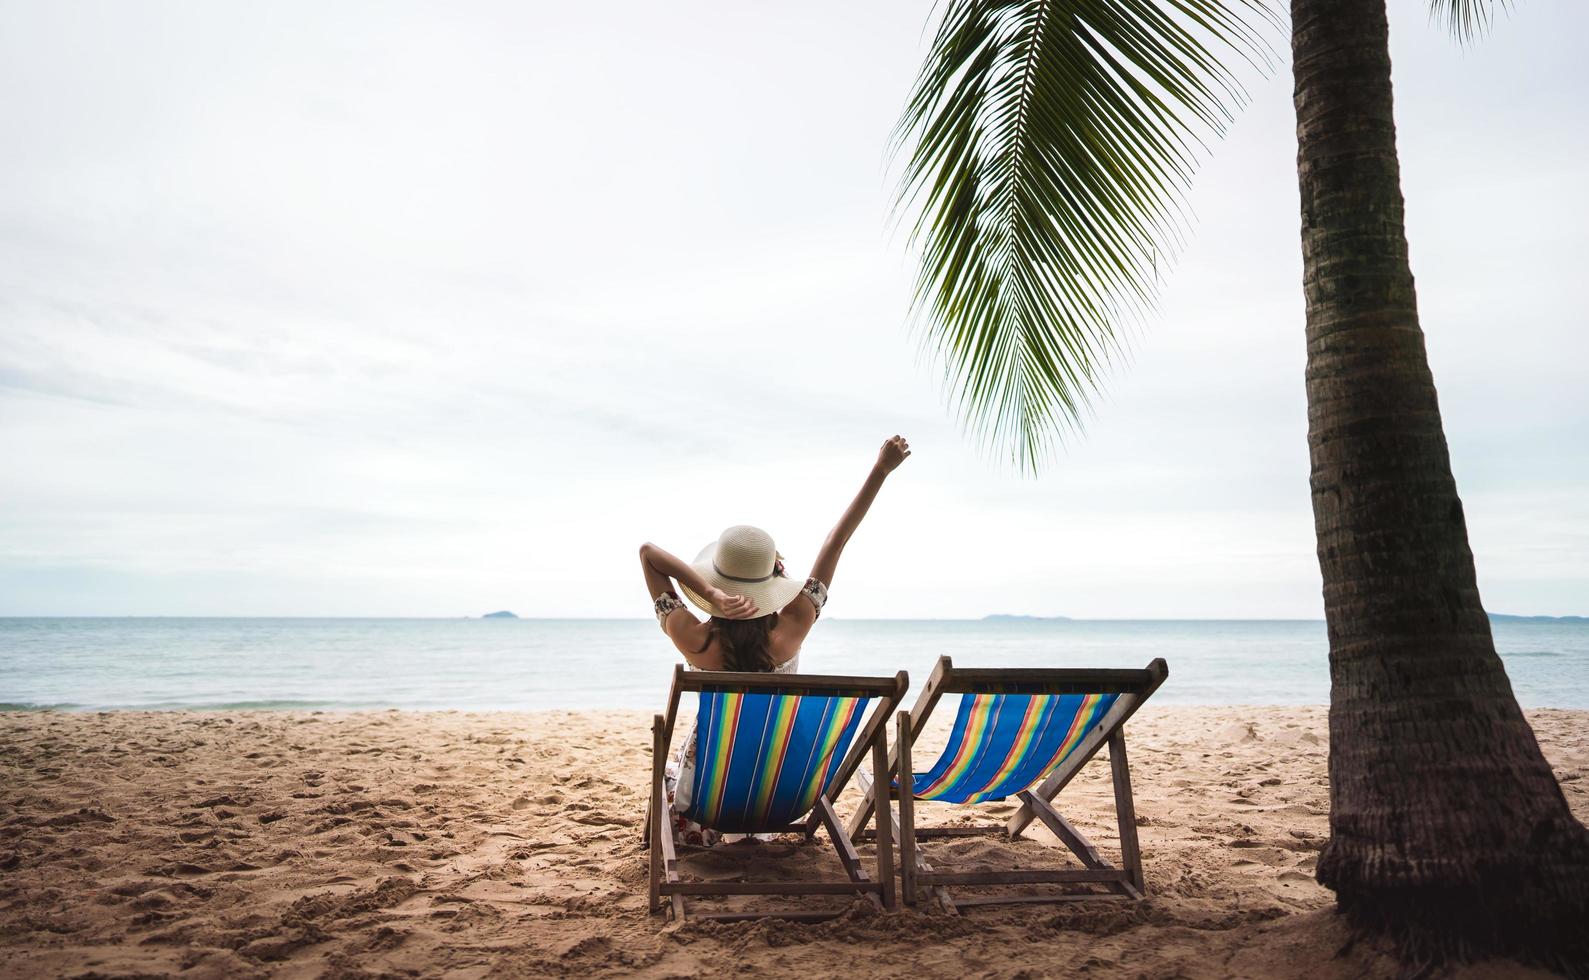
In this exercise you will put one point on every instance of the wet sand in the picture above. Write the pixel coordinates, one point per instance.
(501, 844)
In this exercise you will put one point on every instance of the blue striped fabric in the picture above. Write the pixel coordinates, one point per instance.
(1003, 743)
(762, 759)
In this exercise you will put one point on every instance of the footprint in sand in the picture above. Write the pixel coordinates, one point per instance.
(158, 899)
(597, 819)
(178, 869)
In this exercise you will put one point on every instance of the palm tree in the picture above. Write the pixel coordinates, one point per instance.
(1050, 142)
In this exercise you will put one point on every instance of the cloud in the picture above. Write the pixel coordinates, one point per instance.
(422, 311)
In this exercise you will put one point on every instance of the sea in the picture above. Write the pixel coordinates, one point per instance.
(579, 664)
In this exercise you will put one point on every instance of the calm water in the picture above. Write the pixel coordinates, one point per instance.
(534, 664)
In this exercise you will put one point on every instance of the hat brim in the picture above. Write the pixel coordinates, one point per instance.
(770, 595)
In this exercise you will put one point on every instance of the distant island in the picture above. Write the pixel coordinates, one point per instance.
(1006, 617)
(500, 614)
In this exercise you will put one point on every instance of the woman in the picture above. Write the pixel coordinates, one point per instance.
(758, 615)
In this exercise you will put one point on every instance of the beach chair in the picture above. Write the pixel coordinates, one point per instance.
(1022, 733)
(772, 753)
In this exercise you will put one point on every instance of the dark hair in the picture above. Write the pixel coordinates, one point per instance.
(746, 643)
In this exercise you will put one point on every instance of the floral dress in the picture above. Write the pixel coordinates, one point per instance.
(679, 776)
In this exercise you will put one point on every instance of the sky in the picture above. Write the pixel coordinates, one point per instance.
(398, 309)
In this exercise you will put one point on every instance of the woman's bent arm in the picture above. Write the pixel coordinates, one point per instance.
(660, 567)
(889, 457)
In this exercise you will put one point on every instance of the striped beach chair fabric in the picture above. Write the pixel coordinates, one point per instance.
(762, 759)
(1003, 743)
(772, 752)
(1021, 733)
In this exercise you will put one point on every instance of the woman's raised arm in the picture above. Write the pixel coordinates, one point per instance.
(889, 457)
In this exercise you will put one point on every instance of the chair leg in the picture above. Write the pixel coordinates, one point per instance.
(670, 863)
(656, 813)
(885, 815)
(845, 848)
(1126, 811)
(907, 811)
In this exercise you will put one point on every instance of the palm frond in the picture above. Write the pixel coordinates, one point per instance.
(1051, 142)
(1467, 20)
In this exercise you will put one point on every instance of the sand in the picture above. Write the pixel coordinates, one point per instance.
(467, 845)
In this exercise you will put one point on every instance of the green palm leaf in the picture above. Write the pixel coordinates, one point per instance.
(1051, 142)
(1466, 19)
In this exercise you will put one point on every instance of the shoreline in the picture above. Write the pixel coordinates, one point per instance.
(229, 665)
(316, 708)
(470, 843)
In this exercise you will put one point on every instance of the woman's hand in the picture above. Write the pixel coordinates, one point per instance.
(892, 454)
(731, 606)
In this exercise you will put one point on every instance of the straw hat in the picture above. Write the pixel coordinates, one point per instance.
(741, 562)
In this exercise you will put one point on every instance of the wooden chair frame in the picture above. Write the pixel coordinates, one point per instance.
(1126, 882)
(668, 890)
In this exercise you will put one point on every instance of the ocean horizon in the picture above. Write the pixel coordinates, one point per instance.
(469, 663)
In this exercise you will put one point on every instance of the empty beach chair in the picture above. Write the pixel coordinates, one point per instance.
(1023, 733)
(772, 753)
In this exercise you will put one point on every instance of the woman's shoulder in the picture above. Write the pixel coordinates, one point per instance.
(788, 640)
(692, 638)
(806, 607)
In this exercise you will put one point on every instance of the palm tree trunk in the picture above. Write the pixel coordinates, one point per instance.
(1446, 824)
